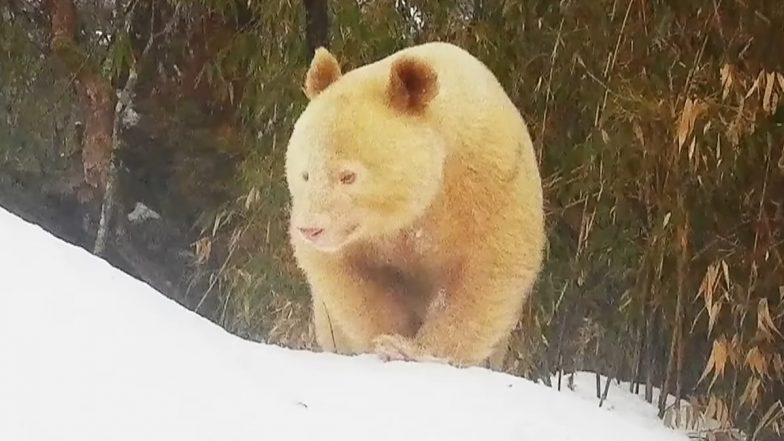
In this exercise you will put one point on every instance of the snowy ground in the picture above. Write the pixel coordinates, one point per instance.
(634, 408)
(89, 353)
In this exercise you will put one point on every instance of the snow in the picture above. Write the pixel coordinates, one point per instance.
(633, 407)
(90, 353)
(142, 213)
(130, 117)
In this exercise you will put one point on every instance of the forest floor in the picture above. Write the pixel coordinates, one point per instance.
(90, 353)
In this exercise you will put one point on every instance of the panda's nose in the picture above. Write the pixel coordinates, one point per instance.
(311, 232)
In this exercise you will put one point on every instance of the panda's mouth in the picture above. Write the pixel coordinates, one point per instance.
(332, 241)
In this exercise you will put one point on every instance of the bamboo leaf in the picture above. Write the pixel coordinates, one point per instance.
(765, 323)
(778, 366)
(713, 314)
(774, 412)
(754, 85)
(726, 271)
(717, 360)
(751, 392)
(767, 102)
(726, 74)
(757, 361)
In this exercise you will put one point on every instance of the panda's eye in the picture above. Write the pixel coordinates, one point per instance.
(347, 177)
(305, 176)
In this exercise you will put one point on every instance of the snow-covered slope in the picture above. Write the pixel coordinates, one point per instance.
(633, 407)
(89, 353)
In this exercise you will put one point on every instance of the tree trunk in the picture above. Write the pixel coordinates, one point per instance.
(683, 259)
(650, 358)
(476, 13)
(95, 93)
(316, 25)
(682, 236)
(643, 285)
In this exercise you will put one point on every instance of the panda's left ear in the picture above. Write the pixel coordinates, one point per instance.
(324, 70)
(412, 84)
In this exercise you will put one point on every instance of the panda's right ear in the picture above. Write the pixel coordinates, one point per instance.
(413, 83)
(324, 70)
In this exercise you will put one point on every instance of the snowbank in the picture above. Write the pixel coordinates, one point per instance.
(89, 353)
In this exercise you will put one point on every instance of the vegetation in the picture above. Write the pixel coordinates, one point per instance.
(659, 127)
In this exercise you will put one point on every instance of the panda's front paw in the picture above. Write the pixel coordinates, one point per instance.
(393, 347)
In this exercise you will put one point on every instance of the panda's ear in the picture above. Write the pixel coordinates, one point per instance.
(324, 70)
(412, 84)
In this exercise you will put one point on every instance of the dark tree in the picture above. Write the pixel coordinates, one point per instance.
(316, 25)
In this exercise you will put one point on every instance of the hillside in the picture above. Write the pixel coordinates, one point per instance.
(89, 353)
